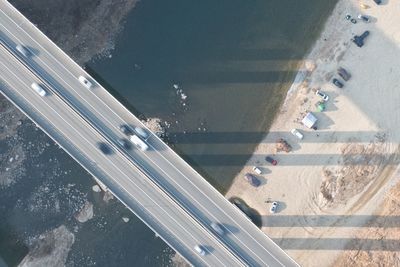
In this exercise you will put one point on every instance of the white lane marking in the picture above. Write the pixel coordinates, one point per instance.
(190, 196)
(200, 191)
(90, 144)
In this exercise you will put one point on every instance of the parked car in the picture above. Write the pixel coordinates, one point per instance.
(125, 129)
(104, 148)
(363, 18)
(217, 228)
(378, 2)
(337, 83)
(257, 170)
(200, 250)
(271, 160)
(297, 133)
(22, 50)
(274, 206)
(124, 143)
(85, 82)
(343, 74)
(252, 179)
(324, 96)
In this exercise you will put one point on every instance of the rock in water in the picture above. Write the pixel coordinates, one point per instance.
(50, 249)
(96, 188)
(86, 213)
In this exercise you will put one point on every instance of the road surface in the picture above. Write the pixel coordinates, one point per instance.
(164, 177)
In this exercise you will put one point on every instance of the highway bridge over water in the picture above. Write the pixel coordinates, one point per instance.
(156, 184)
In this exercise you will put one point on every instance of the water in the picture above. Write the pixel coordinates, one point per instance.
(233, 59)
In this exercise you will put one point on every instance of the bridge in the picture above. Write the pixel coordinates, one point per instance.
(157, 185)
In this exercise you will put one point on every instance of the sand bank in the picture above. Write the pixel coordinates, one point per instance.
(336, 178)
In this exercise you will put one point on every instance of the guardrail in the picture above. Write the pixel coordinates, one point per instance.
(131, 159)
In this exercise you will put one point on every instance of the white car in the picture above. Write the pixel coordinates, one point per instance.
(217, 228)
(39, 89)
(325, 97)
(85, 82)
(139, 143)
(274, 206)
(199, 249)
(297, 133)
(22, 50)
(257, 170)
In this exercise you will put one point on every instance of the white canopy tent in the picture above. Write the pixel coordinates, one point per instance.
(309, 120)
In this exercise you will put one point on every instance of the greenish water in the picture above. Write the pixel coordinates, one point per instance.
(234, 59)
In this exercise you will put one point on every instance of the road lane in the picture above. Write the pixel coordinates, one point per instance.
(162, 162)
(69, 123)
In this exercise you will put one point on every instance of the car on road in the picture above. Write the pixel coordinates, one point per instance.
(142, 132)
(338, 83)
(200, 250)
(378, 2)
(39, 89)
(257, 170)
(217, 228)
(274, 206)
(363, 18)
(104, 148)
(324, 96)
(125, 129)
(271, 160)
(344, 74)
(297, 133)
(254, 181)
(22, 50)
(139, 143)
(85, 82)
(124, 143)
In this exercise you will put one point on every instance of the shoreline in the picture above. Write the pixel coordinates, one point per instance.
(342, 158)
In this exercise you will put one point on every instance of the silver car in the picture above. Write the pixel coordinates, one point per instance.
(217, 228)
(22, 50)
(200, 250)
(274, 207)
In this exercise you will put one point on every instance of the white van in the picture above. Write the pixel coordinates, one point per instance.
(39, 89)
(139, 143)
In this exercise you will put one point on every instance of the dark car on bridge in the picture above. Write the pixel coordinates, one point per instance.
(124, 143)
(125, 129)
(104, 148)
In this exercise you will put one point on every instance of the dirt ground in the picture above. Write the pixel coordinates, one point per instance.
(338, 178)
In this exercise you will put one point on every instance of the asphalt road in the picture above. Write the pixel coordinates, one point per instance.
(196, 201)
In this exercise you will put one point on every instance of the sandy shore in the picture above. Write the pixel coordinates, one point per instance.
(335, 180)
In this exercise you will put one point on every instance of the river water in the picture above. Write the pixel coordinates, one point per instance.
(233, 59)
